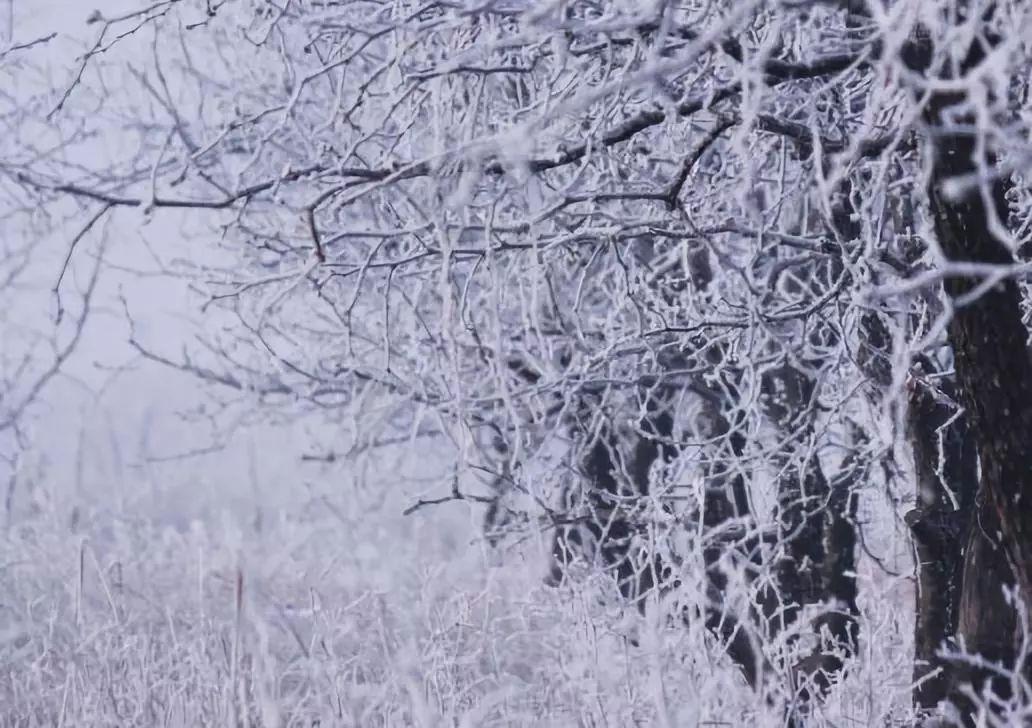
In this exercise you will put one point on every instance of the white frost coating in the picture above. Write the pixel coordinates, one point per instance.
(274, 274)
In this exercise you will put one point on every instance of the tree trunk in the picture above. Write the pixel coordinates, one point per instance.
(986, 622)
(816, 530)
(993, 368)
(944, 457)
(994, 374)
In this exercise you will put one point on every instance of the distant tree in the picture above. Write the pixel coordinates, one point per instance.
(689, 286)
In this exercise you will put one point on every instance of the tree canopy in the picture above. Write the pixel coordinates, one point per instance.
(723, 298)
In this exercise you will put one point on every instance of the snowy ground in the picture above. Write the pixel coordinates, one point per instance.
(333, 608)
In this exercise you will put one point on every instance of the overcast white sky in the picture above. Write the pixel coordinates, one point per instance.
(111, 410)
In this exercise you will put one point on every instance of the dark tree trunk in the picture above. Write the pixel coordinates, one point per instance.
(994, 373)
(816, 520)
(989, 342)
(725, 501)
(986, 623)
(838, 572)
(802, 497)
(616, 468)
(816, 517)
(993, 369)
(944, 457)
(803, 493)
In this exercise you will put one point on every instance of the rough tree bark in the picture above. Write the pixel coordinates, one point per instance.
(944, 458)
(993, 370)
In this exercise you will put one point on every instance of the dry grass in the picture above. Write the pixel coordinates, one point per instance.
(331, 614)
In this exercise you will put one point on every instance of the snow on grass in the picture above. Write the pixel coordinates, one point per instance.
(339, 611)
